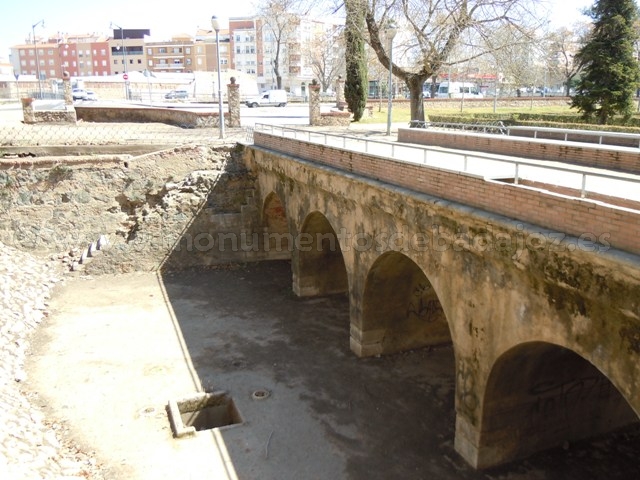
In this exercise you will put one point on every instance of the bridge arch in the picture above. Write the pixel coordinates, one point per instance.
(401, 309)
(540, 395)
(276, 236)
(320, 267)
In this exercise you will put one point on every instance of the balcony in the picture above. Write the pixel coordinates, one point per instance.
(169, 66)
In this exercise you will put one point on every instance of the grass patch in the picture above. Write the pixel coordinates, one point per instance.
(560, 116)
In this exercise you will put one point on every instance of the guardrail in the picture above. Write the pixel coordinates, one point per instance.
(574, 135)
(612, 184)
(492, 127)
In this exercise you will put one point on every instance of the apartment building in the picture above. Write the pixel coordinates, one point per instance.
(127, 50)
(185, 54)
(254, 47)
(248, 46)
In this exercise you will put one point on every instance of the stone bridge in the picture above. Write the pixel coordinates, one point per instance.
(538, 292)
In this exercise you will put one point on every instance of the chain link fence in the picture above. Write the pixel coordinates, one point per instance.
(22, 135)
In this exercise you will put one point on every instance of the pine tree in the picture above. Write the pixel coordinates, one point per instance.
(609, 69)
(356, 84)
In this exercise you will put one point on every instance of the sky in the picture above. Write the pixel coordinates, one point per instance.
(163, 18)
(81, 16)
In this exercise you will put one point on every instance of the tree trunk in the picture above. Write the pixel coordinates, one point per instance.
(414, 84)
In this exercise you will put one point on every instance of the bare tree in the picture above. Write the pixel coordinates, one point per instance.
(432, 29)
(280, 18)
(518, 59)
(325, 54)
(564, 43)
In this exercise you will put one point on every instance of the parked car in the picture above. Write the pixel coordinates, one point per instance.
(79, 94)
(91, 96)
(177, 94)
(270, 98)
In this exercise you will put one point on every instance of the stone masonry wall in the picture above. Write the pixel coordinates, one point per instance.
(142, 205)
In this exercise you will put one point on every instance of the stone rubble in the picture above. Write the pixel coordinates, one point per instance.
(31, 446)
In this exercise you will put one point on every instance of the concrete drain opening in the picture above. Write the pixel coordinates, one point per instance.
(202, 411)
(260, 394)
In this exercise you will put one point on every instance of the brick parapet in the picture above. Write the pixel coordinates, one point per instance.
(598, 156)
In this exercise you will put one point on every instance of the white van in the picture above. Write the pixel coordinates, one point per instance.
(458, 90)
(270, 98)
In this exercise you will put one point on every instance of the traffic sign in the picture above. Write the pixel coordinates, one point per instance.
(125, 76)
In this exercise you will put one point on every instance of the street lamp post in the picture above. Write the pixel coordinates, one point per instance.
(390, 31)
(35, 47)
(124, 59)
(215, 23)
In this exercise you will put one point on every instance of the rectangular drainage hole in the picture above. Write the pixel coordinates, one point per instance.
(212, 417)
(203, 411)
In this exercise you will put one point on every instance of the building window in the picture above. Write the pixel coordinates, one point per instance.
(51, 62)
(103, 52)
(95, 63)
(177, 50)
(150, 63)
(198, 49)
(188, 61)
(238, 39)
(32, 62)
(199, 61)
(40, 52)
(88, 52)
(139, 61)
(162, 50)
(104, 63)
(115, 62)
(95, 52)
(65, 53)
(188, 50)
(23, 63)
(32, 53)
(149, 51)
(49, 52)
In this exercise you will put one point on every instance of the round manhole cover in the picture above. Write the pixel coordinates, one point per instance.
(260, 394)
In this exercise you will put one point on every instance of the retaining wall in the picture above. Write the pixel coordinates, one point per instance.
(171, 116)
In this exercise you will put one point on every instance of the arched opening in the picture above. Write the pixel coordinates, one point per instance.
(320, 269)
(276, 237)
(541, 395)
(401, 310)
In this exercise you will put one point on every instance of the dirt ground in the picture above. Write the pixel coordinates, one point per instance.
(115, 349)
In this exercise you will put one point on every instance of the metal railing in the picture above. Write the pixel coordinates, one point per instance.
(566, 135)
(486, 165)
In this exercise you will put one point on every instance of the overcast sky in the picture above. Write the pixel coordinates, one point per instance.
(163, 19)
